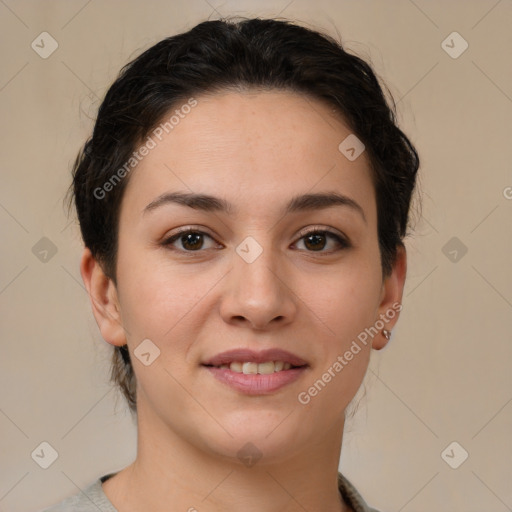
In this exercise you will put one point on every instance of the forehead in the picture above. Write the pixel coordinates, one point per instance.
(253, 148)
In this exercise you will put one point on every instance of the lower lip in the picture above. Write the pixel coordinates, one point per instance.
(256, 384)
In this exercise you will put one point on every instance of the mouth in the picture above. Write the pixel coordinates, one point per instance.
(256, 373)
(252, 368)
(250, 362)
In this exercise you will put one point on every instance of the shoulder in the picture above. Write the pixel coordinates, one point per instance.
(352, 496)
(90, 499)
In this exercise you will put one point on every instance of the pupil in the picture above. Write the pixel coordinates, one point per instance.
(192, 240)
(317, 242)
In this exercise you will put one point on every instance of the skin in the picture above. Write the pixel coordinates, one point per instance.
(256, 150)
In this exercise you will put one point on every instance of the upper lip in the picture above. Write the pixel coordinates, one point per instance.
(248, 355)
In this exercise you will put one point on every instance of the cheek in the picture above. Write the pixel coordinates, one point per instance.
(169, 305)
(346, 301)
(347, 304)
(156, 295)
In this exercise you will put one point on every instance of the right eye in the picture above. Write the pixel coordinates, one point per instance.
(191, 240)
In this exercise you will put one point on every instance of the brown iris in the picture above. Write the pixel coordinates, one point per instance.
(192, 241)
(315, 241)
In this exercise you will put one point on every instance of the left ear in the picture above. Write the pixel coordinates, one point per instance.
(391, 297)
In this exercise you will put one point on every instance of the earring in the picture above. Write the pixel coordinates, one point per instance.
(386, 334)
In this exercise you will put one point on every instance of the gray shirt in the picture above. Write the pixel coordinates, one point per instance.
(93, 499)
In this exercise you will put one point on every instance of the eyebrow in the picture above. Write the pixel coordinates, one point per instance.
(208, 203)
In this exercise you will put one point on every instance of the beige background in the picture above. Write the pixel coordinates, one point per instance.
(446, 375)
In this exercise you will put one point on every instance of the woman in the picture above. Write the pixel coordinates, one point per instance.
(243, 202)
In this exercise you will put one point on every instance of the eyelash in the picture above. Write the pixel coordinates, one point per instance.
(342, 242)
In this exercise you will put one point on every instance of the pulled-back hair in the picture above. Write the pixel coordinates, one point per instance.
(222, 55)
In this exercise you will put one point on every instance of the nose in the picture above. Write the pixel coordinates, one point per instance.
(258, 294)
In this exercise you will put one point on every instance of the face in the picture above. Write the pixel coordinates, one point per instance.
(261, 268)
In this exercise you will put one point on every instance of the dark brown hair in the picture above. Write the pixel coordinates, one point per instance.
(226, 54)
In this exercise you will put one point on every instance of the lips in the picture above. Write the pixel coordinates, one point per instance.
(251, 356)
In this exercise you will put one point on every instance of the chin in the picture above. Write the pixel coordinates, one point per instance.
(256, 437)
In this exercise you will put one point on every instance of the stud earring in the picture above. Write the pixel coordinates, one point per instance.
(386, 334)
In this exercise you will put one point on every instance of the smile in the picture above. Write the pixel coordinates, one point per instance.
(251, 368)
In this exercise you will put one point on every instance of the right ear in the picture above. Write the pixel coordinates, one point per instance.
(104, 300)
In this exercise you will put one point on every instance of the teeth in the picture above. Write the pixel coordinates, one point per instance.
(235, 366)
(250, 368)
(265, 368)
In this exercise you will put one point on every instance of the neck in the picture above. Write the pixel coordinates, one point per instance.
(169, 469)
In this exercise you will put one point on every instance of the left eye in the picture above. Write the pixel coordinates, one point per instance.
(316, 241)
